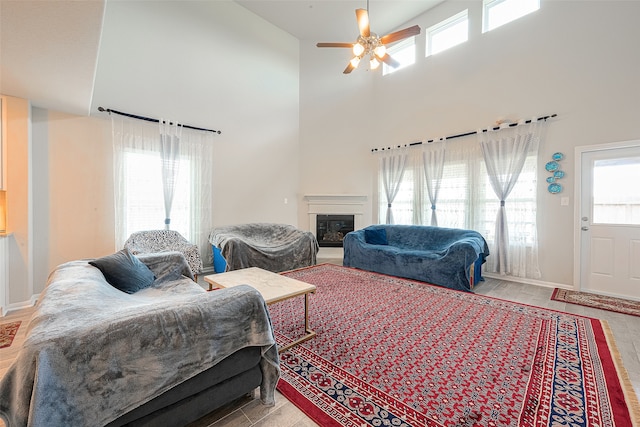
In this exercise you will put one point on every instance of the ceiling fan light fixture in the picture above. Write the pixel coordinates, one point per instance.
(370, 45)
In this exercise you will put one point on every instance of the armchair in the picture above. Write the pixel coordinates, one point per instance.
(155, 241)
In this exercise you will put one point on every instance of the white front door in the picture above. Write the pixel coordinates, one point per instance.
(609, 219)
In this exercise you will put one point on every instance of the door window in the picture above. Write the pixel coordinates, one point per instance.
(616, 191)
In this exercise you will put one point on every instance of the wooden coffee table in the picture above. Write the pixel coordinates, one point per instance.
(273, 287)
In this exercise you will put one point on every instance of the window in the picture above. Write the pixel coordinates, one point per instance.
(143, 194)
(616, 195)
(138, 180)
(500, 12)
(403, 203)
(404, 52)
(448, 33)
(466, 199)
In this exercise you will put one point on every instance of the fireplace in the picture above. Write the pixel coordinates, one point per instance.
(340, 205)
(331, 229)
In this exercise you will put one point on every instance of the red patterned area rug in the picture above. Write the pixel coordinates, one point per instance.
(7, 333)
(395, 352)
(602, 302)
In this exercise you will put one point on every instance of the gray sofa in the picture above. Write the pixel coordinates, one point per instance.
(272, 247)
(448, 257)
(166, 354)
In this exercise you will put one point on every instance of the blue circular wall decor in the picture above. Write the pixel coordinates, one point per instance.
(554, 188)
(554, 167)
(551, 166)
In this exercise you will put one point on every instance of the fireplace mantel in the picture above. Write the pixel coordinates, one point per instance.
(336, 199)
(336, 204)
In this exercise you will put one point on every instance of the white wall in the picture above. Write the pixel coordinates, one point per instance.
(335, 126)
(165, 59)
(72, 179)
(577, 59)
(213, 65)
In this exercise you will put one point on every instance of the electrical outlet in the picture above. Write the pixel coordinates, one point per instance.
(564, 201)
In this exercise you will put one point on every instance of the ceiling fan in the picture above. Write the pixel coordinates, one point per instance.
(371, 45)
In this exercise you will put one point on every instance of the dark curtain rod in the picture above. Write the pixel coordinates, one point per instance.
(148, 119)
(373, 150)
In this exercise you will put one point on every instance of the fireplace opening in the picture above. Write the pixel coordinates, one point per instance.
(331, 229)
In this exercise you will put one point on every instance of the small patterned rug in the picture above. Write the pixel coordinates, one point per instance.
(602, 302)
(7, 333)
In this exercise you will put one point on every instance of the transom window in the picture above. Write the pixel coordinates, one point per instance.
(404, 52)
(448, 33)
(500, 12)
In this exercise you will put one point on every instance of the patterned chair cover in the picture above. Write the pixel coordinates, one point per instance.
(154, 241)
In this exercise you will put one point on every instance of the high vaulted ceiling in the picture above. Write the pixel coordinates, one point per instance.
(335, 20)
(49, 50)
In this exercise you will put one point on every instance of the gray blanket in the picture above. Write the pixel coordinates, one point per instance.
(273, 247)
(93, 353)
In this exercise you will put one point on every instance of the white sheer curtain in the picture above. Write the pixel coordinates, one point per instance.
(170, 134)
(392, 166)
(433, 165)
(505, 153)
(148, 165)
(465, 195)
(460, 194)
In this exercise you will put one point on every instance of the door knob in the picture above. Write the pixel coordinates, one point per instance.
(584, 228)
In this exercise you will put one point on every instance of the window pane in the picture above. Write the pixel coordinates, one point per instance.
(403, 52)
(449, 37)
(144, 198)
(616, 194)
(499, 12)
(402, 205)
(453, 196)
(448, 33)
(467, 200)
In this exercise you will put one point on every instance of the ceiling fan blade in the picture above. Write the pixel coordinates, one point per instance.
(363, 22)
(387, 59)
(349, 68)
(399, 35)
(349, 45)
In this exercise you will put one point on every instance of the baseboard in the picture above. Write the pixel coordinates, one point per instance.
(21, 305)
(527, 281)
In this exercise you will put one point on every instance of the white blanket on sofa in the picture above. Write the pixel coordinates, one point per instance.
(93, 353)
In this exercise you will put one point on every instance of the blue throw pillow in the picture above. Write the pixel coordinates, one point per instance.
(124, 271)
(375, 236)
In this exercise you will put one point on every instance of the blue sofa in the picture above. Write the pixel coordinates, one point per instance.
(446, 257)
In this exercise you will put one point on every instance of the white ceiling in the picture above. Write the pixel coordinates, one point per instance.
(49, 50)
(335, 20)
